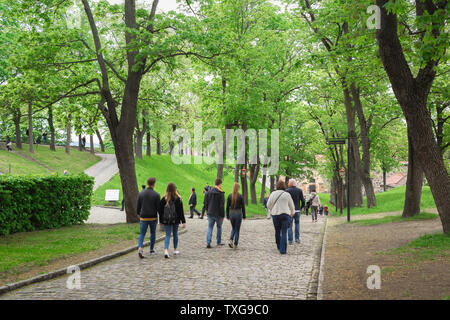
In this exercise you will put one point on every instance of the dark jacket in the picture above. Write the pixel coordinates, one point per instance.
(178, 209)
(297, 197)
(147, 203)
(193, 199)
(265, 202)
(215, 203)
(239, 205)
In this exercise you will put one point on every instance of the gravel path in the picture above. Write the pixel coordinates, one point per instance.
(103, 170)
(253, 271)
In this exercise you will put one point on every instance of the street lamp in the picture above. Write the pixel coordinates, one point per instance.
(334, 141)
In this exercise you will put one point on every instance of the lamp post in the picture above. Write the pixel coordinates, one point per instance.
(334, 141)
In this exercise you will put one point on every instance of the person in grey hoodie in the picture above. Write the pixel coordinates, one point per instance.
(315, 204)
(281, 206)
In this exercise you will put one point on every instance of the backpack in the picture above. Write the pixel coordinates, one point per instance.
(170, 214)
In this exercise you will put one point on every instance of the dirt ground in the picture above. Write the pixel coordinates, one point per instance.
(350, 249)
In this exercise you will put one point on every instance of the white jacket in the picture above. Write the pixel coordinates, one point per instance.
(284, 204)
(316, 200)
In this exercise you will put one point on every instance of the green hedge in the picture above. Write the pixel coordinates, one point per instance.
(43, 202)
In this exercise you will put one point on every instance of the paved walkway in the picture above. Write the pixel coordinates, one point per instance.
(253, 271)
(103, 170)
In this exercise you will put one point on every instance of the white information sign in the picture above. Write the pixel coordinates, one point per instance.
(112, 195)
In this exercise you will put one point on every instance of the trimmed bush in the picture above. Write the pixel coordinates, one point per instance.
(43, 202)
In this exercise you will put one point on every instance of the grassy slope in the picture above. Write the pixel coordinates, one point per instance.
(392, 200)
(185, 176)
(59, 160)
(40, 247)
(19, 165)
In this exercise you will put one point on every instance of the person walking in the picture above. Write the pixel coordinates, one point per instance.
(235, 213)
(215, 208)
(205, 191)
(265, 206)
(171, 214)
(147, 210)
(308, 204)
(299, 203)
(281, 206)
(192, 204)
(315, 204)
(44, 137)
(8, 143)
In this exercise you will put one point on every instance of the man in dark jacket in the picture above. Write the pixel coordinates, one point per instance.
(147, 209)
(193, 203)
(215, 208)
(299, 203)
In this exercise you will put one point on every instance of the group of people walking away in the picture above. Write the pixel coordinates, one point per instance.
(283, 205)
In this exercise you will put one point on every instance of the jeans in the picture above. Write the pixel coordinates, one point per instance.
(314, 210)
(169, 228)
(211, 221)
(281, 224)
(296, 220)
(192, 210)
(236, 220)
(144, 227)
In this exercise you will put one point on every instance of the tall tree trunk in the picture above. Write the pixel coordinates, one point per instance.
(356, 199)
(412, 94)
(17, 116)
(158, 144)
(148, 150)
(222, 154)
(91, 142)
(384, 179)
(365, 143)
(68, 133)
(140, 134)
(30, 127)
(80, 143)
(414, 183)
(171, 143)
(52, 129)
(100, 140)
(272, 183)
(263, 188)
(244, 185)
(254, 171)
(236, 172)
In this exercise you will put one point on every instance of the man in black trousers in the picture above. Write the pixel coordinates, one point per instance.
(193, 203)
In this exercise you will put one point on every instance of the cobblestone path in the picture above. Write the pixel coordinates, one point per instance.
(253, 271)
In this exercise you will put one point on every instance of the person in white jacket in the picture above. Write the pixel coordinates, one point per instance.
(281, 205)
(315, 204)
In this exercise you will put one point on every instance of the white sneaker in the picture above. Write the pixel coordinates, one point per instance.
(176, 252)
(166, 255)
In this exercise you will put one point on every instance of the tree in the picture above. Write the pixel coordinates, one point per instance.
(412, 91)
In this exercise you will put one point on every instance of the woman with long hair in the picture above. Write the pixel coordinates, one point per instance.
(171, 214)
(235, 213)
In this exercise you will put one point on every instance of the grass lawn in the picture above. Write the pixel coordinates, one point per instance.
(19, 165)
(185, 176)
(388, 219)
(427, 247)
(392, 200)
(37, 248)
(59, 160)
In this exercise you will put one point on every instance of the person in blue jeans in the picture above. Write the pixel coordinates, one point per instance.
(281, 206)
(147, 210)
(299, 203)
(235, 213)
(171, 214)
(215, 208)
